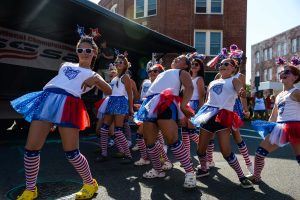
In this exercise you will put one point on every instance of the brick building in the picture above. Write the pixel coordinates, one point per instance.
(264, 54)
(208, 25)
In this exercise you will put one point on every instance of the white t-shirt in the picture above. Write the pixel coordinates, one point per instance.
(70, 78)
(288, 110)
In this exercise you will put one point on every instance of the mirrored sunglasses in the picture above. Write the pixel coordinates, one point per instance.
(155, 71)
(285, 72)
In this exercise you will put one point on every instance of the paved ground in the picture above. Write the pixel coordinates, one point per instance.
(58, 180)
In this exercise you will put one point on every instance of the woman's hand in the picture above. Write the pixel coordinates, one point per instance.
(187, 112)
(91, 81)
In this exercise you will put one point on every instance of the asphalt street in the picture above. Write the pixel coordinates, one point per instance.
(58, 180)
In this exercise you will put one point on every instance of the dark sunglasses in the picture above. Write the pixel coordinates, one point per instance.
(195, 64)
(81, 50)
(226, 64)
(119, 62)
(155, 71)
(285, 72)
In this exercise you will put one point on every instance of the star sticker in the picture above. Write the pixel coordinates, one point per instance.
(94, 32)
(80, 30)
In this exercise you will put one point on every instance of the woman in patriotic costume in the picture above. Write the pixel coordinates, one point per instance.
(161, 110)
(284, 123)
(60, 103)
(217, 116)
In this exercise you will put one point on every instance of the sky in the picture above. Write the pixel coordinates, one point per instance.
(265, 19)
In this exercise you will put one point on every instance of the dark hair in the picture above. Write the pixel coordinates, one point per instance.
(201, 71)
(89, 40)
(188, 63)
(126, 63)
(295, 71)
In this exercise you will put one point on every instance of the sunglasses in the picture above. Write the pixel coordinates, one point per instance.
(119, 62)
(285, 72)
(195, 64)
(155, 71)
(83, 50)
(226, 64)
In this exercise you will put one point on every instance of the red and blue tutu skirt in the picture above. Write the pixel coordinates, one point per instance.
(54, 105)
(281, 133)
(224, 117)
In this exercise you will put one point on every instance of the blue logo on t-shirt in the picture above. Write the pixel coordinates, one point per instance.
(281, 107)
(71, 73)
(146, 88)
(218, 88)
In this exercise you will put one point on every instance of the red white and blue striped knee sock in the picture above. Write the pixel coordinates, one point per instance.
(122, 142)
(31, 165)
(160, 138)
(194, 135)
(259, 162)
(142, 146)
(234, 163)
(127, 130)
(181, 155)
(162, 152)
(210, 150)
(153, 152)
(244, 151)
(81, 165)
(203, 160)
(104, 138)
(186, 140)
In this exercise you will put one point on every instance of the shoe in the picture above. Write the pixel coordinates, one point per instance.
(154, 174)
(126, 160)
(111, 142)
(253, 179)
(118, 155)
(250, 169)
(167, 166)
(246, 183)
(201, 173)
(190, 180)
(87, 191)
(142, 162)
(101, 159)
(28, 195)
(210, 164)
(135, 148)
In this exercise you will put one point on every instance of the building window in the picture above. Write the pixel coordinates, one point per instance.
(209, 6)
(270, 50)
(284, 48)
(145, 8)
(265, 74)
(279, 50)
(279, 69)
(208, 42)
(257, 57)
(298, 44)
(294, 45)
(265, 54)
(270, 73)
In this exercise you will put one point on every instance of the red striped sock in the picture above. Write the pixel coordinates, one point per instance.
(153, 151)
(122, 142)
(104, 139)
(142, 146)
(234, 163)
(181, 155)
(31, 165)
(210, 150)
(244, 151)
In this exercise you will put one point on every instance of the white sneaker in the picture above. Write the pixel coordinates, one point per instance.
(210, 164)
(154, 174)
(190, 180)
(250, 169)
(142, 162)
(135, 148)
(167, 166)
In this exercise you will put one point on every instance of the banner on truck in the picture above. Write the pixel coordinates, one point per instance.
(28, 50)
